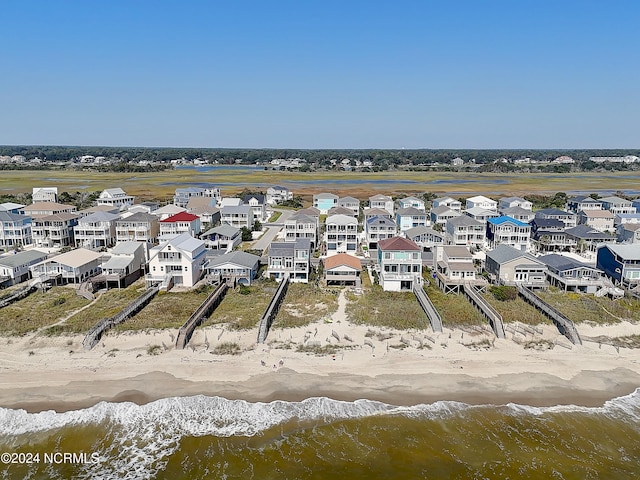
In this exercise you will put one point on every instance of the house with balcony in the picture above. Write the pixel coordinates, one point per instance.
(96, 231)
(11, 207)
(518, 213)
(277, 194)
(325, 202)
(454, 266)
(125, 264)
(512, 266)
(205, 209)
(15, 231)
(379, 228)
(568, 219)
(341, 234)
(601, 220)
(425, 237)
(39, 209)
(179, 261)
(44, 194)
(351, 203)
(509, 231)
(182, 222)
(54, 231)
(571, 275)
(342, 211)
(449, 202)
(549, 235)
(168, 211)
(342, 269)
(115, 197)
(411, 217)
(628, 233)
(411, 202)
(258, 206)
(441, 215)
(617, 205)
(14, 267)
(464, 230)
(399, 264)
(240, 216)
(300, 225)
(584, 237)
(481, 214)
(139, 227)
(74, 266)
(383, 202)
(582, 203)
(369, 213)
(184, 195)
(511, 202)
(234, 267)
(621, 263)
(290, 258)
(480, 201)
(626, 218)
(222, 238)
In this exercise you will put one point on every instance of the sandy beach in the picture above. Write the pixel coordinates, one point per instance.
(397, 367)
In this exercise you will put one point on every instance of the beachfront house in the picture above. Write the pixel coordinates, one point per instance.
(96, 231)
(454, 264)
(290, 258)
(54, 230)
(15, 230)
(509, 231)
(234, 267)
(411, 217)
(379, 228)
(139, 227)
(125, 264)
(14, 267)
(222, 238)
(277, 194)
(12, 207)
(342, 269)
(115, 197)
(572, 275)
(369, 213)
(399, 264)
(549, 235)
(383, 202)
(325, 202)
(621, 263)
(74, 266)
(507, 265)
(179, 261)
(341, 234)
(425, 237)
(464, 230)
(617, 205)
(601, 220)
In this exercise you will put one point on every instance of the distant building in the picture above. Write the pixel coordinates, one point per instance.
(15, 230)
(96, 231)
(241, 216)
(379, 228)
(115, 197)
(411, 202)
(448, 202)
(511, 202)
(411, 217)
(45, 194)
(582, 203)
(509, 231)
(351, 203)
(182, 222)
(601, 220)
(481, 202)
(139, 227)
(300, 225)
(278, 194)
(325, 202)
(425, 237)
(47, 208)
(464, 230)
(382, 201)
(617, 205)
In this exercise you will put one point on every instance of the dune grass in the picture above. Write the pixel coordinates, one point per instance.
(39, 310)
(587, 308)
(242, 308)
(517, 310)
(305, 303)
(454, 309)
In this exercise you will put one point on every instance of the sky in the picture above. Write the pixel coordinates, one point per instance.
(321, 74)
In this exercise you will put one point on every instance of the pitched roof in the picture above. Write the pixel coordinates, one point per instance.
(341, 219)
(627, 252)
(310, 211)
(238, 257)
(348, 200)
(117, 263)
(598, 214)
(562, 263)
(511, 211)
(99, 217)
(201, 202)
(457, 251)
(56, 217)
(223, 230)
(506, 253)
(398, 243)
(420, 230)
(507, 219)
(76, 258)
(481, 211)
(180, 217)
(588, 233)
(325, 196)
(554, 212)
(410, 211)
(185, 242)
(464, 221)
(342, 259)
(368, 212)
(341, 211)
(47, 206)
(12, 217)
(140, 217)
(381, 220)
(480, 198)
(169, 209)
(258, 196)
(300, 218)
(22, 258)
(126, 248)
(379, 198)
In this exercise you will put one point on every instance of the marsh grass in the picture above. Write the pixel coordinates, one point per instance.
(38, 310)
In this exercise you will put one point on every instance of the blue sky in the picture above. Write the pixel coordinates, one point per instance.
(321, 74)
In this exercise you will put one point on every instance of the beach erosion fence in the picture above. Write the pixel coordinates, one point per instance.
(95, 333)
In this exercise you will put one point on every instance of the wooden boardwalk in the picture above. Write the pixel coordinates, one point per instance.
(272, 310)
(202, 312)
(429, 309)
(490, 313)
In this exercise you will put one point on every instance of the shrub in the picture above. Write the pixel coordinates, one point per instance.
(227, 348)
(504, 293)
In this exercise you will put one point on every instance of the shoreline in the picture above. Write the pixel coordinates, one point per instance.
(40, 373)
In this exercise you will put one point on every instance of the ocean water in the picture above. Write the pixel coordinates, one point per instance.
(320, 438)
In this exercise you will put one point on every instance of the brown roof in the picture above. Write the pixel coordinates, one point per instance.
(48, 207)
(398, 243)
(342, 259)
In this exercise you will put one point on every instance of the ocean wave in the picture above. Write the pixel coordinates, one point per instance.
(145, 436)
